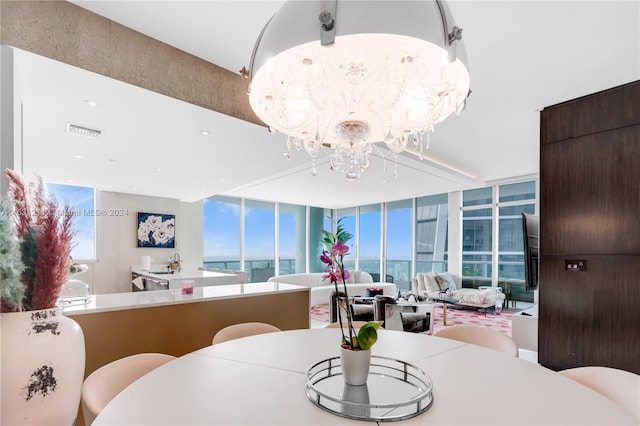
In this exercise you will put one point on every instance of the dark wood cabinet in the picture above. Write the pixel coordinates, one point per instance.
(590, 210)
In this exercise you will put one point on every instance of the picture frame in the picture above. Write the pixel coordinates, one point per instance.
(156, 230)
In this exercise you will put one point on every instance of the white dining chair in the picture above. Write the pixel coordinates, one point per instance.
(620, 386)
(245, 329)
(480, 336)
(110, 379)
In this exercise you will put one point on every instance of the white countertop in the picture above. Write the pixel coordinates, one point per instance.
(182, 275)
(260, 380)
(147, 299)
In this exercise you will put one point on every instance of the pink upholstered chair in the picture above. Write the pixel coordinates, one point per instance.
(109, 380)
(480, 336)
(237, 331)
(620, 386)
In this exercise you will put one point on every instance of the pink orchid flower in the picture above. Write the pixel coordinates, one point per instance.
(339, 249)
(325, 258)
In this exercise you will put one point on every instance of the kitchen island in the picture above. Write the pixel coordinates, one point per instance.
(160, 278)
(167, 321)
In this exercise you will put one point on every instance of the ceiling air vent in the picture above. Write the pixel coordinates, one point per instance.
(74, 129)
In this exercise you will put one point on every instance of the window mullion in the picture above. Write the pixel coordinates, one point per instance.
(495, 239)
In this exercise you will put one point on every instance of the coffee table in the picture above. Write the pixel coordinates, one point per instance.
(450, 301)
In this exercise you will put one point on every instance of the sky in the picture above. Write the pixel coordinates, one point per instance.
(82, 203)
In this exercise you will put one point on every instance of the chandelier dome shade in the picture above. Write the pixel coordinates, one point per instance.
(347, 74)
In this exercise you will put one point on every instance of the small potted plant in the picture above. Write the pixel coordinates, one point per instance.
(174, 262)
(355, 347)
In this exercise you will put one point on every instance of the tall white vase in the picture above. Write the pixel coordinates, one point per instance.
(42, 368)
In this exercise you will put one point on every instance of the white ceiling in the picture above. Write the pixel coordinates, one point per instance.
(522, 55)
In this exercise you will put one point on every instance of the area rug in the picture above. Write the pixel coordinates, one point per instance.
(463, 316)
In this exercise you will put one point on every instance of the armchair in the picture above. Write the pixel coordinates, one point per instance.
(359, 311)
(401, 317)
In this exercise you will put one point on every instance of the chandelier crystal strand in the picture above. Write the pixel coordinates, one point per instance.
(366, 87)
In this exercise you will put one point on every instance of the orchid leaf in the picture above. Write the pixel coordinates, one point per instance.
(368, 335)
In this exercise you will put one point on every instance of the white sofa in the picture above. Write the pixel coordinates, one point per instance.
(432, 284)
(321, 289)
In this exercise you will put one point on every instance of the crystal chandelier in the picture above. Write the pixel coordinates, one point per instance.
(344, 76)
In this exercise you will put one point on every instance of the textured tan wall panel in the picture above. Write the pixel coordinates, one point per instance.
(68, 33)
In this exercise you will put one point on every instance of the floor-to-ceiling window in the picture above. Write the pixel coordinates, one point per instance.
(81, 200)
(292, 239)
(513, 199)
(477, 236)
(369, 240)
(259, 240)
(385, 243)
(398, 244)
(221, 239)
(492, 248)
(432, 214)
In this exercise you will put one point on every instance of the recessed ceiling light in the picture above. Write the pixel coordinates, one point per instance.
(77, 156)
(221, 179)
(204, 132)
(158, 169)
(91, 103)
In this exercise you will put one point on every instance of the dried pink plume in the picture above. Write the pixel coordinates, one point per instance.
(35, 210)
(22, 210)
(53, 259)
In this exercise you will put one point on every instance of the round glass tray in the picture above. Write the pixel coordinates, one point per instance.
(395, 390)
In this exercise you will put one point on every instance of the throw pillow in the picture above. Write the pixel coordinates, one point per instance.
(443, 284)
(447, 280)
(420, 282)
(430, 283)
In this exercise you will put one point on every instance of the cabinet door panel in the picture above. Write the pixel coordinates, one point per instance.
(591, 317)
(611, 109)
(590, 194)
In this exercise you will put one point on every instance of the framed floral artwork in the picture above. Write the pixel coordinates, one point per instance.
(156, 230)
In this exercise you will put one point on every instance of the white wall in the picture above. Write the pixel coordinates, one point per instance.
(189, 234)
(116, 236)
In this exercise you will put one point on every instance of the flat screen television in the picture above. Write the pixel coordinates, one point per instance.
(530, 234)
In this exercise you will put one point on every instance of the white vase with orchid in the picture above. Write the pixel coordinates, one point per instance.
(355, 348)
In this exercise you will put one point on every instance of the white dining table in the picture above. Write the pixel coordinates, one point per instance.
(260, 380)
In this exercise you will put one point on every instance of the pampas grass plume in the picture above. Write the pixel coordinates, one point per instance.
(44, 234)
